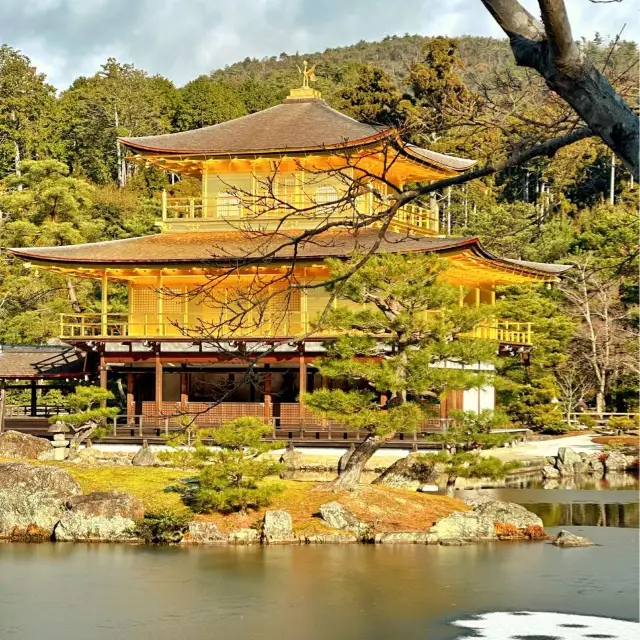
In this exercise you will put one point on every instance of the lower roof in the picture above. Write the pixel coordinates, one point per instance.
(231, 247)
(40, 362)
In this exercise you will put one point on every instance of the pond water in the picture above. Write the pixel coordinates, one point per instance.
(99, 592)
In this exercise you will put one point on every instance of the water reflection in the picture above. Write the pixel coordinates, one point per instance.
(584, 514)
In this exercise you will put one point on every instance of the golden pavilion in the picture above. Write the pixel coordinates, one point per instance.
(280, 191)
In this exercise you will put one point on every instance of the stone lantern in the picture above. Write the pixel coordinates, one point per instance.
(60, 442)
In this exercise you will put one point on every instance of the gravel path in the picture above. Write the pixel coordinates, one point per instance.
(544, 448)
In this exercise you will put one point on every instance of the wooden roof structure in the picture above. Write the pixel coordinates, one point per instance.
(40, 362)
(295, 127)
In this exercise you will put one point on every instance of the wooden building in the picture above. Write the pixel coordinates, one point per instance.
(267, 178)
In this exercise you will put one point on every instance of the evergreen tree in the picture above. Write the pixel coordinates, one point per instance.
(400, 325)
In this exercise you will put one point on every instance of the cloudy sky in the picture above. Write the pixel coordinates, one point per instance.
(181, 39)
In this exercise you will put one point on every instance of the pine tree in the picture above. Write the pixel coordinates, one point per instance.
(401, 324)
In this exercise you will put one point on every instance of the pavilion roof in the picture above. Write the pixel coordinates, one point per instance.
(231, 247)
(26, 362)
(294, 126)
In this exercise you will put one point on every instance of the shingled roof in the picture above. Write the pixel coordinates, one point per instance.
(215, 247)
(293, 126)
(40, 362)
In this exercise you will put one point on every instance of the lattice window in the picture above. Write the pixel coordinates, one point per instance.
(144, 302)
(228, 205)
(326, 194)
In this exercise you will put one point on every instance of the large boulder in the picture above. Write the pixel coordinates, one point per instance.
(508, 513)
(14, 444)
(204, 533)
(568, 539)
(616, 461)
(569, 463)
(31, 495)
(105, 516)
(293, 460)
(277, 528)
(464, 525)
(336, 515)
(549, 472)
(411, 472)
(244, 536)
(145, 457)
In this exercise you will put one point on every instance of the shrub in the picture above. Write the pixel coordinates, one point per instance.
(507, 530)
(534, 532)
(621, 423)
(231, 476)
(588, 422)
(162, 528)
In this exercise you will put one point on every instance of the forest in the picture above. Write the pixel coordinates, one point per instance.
(64, 179)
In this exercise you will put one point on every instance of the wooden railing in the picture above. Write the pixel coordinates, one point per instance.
(42, 411)
(260, 325)
(211, 214)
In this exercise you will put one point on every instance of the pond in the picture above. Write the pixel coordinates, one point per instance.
(361, 592)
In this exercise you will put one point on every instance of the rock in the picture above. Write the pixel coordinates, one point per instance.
(465, 525)
(105, 516)
(338, 516)
(549, 472)
(477, 498)
(32, 533)
(145, 457)
(31, 495)
(204, 533)
(453, 542)
(244, 536)
(292, 459)
(331, 538)
(616, 461)
(569, 463)
(411, 472)
(14, 444)
(508, 513)
(405, 537)
(592, 462)
(568, 539)
(277, 528)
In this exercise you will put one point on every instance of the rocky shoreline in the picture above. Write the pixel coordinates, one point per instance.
(43, 503)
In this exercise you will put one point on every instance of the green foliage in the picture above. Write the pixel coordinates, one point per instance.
(403, 322)
(471, 430)
(232, 474)
(162, 528)
(588, 422)
(466, 464)
(86, 401)
(623, 423)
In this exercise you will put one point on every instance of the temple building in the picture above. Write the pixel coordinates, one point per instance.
(281, 191)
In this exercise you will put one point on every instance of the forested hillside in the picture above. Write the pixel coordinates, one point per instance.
(65, 180)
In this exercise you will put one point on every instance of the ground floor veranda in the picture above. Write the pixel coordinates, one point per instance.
(164, 389)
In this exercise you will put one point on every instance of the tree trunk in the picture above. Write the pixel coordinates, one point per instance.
(450, 489)
(349, 477)
(551, 50)
(73, 298)
(83, 432)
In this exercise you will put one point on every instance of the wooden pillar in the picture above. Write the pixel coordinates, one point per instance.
(477, 292)
(104, 305)
(267, 394)
(103, 377)
(158, 384)
(184, 391)
(131, 381)
(460, 295)
(303, 373)
(159, 305)
(3, 400)
(34, 398)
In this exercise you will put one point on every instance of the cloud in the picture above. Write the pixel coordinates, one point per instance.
(181, 40)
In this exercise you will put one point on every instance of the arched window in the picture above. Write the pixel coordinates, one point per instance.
(228, 205)
(326, 194)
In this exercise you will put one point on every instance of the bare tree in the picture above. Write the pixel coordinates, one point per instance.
(605, 337)
(550, 49)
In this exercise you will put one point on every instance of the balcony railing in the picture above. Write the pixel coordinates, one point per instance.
(214, 214)
(258, 326)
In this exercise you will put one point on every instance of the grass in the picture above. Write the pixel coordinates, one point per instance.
(386, 508)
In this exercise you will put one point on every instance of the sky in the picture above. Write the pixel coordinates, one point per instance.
(182, 39)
